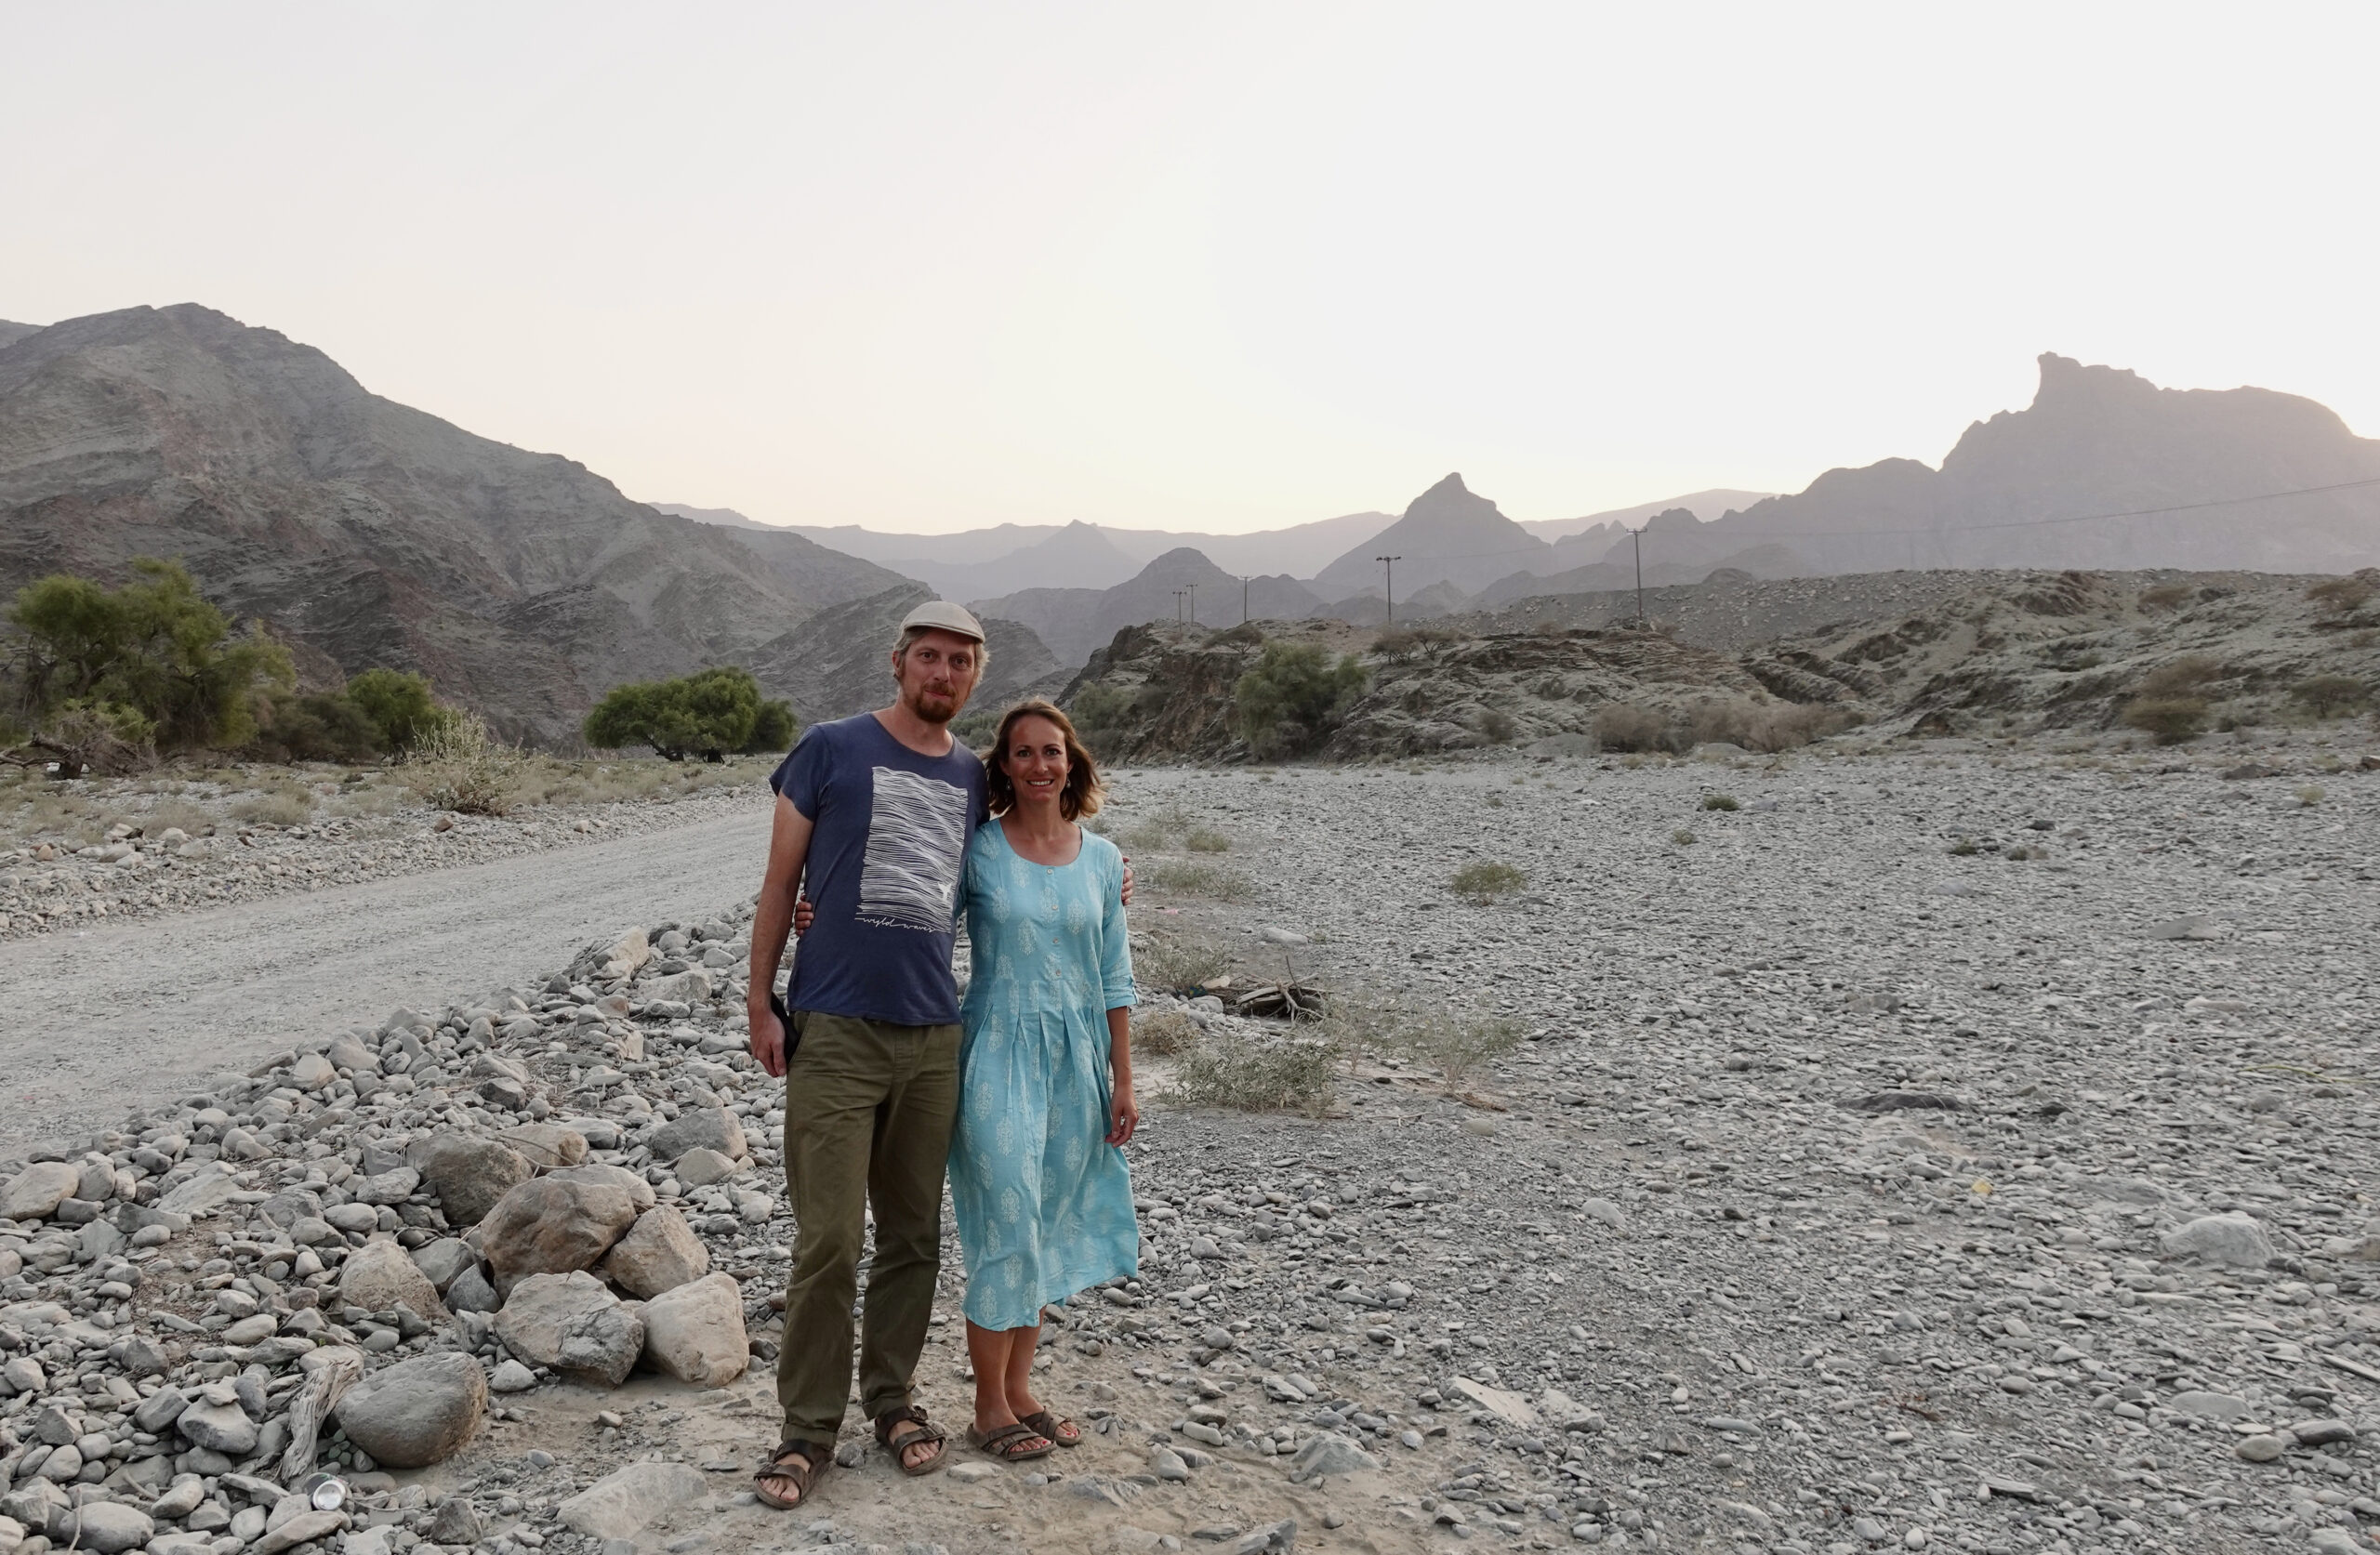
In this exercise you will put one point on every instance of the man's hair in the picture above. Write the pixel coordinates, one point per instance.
(1083, 792)
(983, 650)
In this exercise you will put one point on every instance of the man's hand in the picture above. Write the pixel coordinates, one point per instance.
(803, 914)
(768, 1037)
(1128, 879)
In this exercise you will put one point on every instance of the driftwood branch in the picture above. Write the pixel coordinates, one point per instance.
(340, 1369)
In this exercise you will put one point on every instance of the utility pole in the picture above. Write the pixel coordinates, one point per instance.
(1243, 600)
(1389, 562)
(1177, 606)
(1637, 534)
(1192, 589)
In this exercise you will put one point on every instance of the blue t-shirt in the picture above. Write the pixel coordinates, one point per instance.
(889, 831)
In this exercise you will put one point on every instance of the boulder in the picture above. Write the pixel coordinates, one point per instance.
(546, 1145)
(441, 1260)
(381, 1276)
(549, 1226)
(699, 1129)
(468, 1173)
(622, 1502)
(218, 1428)
(210, 1188)
(102, 1525)
(417, 1412)
(695, 1332)
(2235, 1239)
(389, 1188)
(35, 1192)
(702, 1166)
(628, 1182)
(691, 986)
(1328, 1453)
(659, 1252)
(573, 1324)
(472, 1293)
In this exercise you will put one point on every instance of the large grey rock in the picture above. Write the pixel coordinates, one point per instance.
(622, 1502)
(1329, 1453)
(380, 1276)
(659, 1252)
(468, 1173)
(699, 1128)
(35, 1192)
(574, 1323)
(2235, 1239)
(634, 1186)
(417, 1412)
(390, 1187)
(551, 1227)
(159, 1410)
(102, 1525)
(219, 1427)
(441, 1260)
(695, 1332)
(306, 1527)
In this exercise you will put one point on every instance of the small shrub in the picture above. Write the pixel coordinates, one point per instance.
(1397, 644)
(401, 707)
(1098, 709)
(709, 714)
(2169, 720)
(175, 814)
(1496, 800)
(1486, 880)
(1206, 839)
(1190, 878)
(1248, 634)
(1683, 838)
(460, 767)
(281, 808)
(1169, 967)
(1163, 1033)
(1295, 696)
(2329, 695)
(2179, 678)
(1720, 801)
(2165, 595)
(2343, 596)
(2309, 796)
(1623, 726)
(1497, 726)
(1451, 1041)
(1965, 849)
(2020, 853)
(1259, 1073)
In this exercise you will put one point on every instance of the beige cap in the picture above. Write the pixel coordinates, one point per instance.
(944, 617)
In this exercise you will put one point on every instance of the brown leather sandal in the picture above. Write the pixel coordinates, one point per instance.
(1057, 1427)
(1010, 1443)
(796, 1463)
(922, 1433)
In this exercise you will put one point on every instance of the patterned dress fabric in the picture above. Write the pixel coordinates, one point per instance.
(1043, 1202)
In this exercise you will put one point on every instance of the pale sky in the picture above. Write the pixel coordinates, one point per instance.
(1212, 267)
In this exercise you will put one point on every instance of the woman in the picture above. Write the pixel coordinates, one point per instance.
(1038, 1178)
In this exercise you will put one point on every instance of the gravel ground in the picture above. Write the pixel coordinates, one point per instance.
(1849, 1192)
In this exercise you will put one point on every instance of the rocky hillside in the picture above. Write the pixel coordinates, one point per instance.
(366, 532)
(1075, 621)
(1927, 652)
(1447, 534)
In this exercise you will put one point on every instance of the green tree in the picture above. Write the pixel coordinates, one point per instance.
(708, 714)
(1294, 695)
(318, 727)
(402, 706)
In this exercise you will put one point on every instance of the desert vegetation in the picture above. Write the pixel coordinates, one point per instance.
(1484, 881)
(712, 713)
(1289, 700)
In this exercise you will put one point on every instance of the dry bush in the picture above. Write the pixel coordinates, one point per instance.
(2329, 695)
(1624, 726)
(2179, 678)
(1683, 838)
(1206, 839)
(1720, 801)
(167, 815)
(1265, 1073)
(2165, 595)
(2343, 596)
(2309, 796)
(1163, 1033)
(1453, 1042)
(1190, 878)
(1166, 967)
(1485, 881)
(2170, 719)
(1763, 727)
(281, 808)
(459, 766)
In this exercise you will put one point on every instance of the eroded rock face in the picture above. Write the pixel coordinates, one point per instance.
(551, 1227)
(417, 1412)
(468, 1173)
(573, 1324)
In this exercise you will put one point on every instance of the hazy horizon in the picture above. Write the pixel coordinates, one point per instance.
(943, 267)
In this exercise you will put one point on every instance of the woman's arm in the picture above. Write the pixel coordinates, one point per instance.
(1123, 1111)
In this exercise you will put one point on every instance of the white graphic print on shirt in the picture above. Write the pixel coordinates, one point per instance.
(917, 840)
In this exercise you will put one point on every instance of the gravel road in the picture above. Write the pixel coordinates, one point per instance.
(104, 1019)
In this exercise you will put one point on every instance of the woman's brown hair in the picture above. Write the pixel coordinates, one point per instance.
(1082, 793)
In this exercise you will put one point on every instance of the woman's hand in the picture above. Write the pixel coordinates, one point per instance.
(1128, 879)
(803, 914)
(1124, 1113)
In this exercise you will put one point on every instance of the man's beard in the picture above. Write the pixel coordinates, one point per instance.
(930, 706)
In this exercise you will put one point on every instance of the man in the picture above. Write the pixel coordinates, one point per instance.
(876, 811)
(873, 817)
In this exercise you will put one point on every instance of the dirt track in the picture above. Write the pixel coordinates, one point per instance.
(93, 1023)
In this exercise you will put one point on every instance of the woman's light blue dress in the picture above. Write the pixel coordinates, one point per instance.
(1043, 1202)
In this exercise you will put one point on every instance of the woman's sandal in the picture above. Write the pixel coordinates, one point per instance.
(898, 1442)
(1055, 1426)
(797, 1463)
(1010, 1443)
